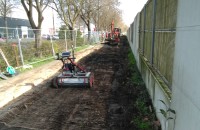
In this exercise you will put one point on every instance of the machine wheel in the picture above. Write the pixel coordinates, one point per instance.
(91, 83)
(54, 83)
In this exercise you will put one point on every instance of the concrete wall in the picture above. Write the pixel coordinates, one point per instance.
(134, 44)
(154, 87)
(186, 79)
(185, 98)
(156, 92)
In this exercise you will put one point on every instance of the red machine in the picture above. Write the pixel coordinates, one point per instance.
(72, 74)
(113, 37)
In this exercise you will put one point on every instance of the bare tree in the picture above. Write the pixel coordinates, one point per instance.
(68, 11)
(6, 7)
(39, 6)
(101, 13)
(86, 12)
(108, 12)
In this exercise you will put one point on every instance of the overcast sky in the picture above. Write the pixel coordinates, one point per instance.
(47, 14)
(130, 9)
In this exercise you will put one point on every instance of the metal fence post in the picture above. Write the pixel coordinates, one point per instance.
(52, 46)
(83, 36)
(66, 41)
(75, 37)
(144, 29)
(153, 31)
(20, 49)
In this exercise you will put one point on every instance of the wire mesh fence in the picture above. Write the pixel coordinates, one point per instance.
(22, 47)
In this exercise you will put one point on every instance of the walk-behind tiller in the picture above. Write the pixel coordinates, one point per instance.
(72, 74)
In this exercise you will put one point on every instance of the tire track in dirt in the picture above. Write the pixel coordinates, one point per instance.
(72, 108)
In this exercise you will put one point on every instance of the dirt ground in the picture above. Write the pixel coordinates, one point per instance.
(102, 107)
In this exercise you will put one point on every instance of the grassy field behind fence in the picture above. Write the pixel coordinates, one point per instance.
(29, 52)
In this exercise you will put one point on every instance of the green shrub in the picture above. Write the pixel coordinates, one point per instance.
(11, 54)
(142, 124)
(79, 42)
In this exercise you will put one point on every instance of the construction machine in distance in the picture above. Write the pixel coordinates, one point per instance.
(113, 37)
(72, 75)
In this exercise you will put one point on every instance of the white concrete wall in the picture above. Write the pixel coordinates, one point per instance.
(153, 86)
(186, 79)
(135, 34)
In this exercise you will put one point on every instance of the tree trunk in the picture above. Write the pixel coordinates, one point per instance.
(71, 32)
(38, 42)
(89, 30)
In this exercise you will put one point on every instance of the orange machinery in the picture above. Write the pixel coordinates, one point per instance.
(114, 35)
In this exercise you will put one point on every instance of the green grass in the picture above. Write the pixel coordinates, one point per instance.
(142, 124)
(81, 48)
(143, 118)
(41, 61)
(136, 76)
(131, 58)
(38, 64)
(36, 59)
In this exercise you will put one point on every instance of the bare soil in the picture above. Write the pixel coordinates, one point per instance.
(105, 106)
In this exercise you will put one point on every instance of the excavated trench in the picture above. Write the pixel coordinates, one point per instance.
(96, 108)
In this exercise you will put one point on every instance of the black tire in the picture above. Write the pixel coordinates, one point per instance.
(91, 81)
(54, 83)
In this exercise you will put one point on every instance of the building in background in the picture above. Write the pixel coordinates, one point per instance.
(51, 21)
(15, 25)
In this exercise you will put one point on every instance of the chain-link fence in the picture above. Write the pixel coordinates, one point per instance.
(22, 47)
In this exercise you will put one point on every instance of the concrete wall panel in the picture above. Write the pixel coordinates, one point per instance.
(186, 80)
